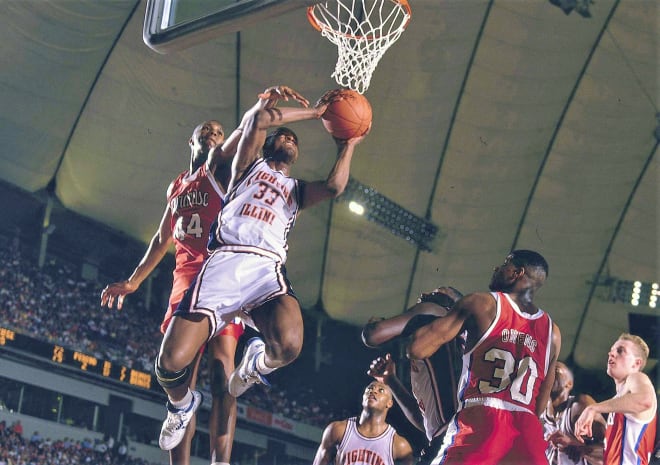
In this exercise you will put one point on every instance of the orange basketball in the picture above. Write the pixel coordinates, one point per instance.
(349, 116)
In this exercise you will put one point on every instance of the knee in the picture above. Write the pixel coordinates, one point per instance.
(171, 379)
(170, 360)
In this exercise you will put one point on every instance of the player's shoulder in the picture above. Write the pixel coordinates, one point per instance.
(338, 426)
(401, 446)
(638, 378)
(477, 303)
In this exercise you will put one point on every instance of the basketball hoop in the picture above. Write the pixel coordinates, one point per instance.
(362, 30)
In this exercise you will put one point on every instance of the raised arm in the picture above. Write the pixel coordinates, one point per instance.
(259, 119)
(337, 179)
(383, 369)
(223, 155)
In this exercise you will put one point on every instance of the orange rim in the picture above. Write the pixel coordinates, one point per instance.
(319, 26)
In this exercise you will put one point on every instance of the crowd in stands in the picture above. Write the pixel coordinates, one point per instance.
(52, 303)
(18, 449)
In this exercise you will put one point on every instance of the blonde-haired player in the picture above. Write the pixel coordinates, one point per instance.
(631, 423)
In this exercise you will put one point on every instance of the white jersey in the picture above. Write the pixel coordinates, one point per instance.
(561, 422)
(259, 211)
(356, 449)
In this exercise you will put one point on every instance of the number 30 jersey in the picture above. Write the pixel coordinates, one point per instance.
(259, 212)
(505, 369)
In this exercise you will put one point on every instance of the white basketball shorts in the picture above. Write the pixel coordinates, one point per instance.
(233, 281)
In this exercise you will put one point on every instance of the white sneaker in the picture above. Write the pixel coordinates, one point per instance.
(246, 375)
(174, 426)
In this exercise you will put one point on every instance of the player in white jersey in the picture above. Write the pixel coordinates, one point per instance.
(245, 275)
(559, 420)
(367, 439)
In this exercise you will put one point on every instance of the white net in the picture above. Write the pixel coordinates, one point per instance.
(362, 30)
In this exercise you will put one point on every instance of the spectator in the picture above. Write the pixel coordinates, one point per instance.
(36, 437)
(17, 427)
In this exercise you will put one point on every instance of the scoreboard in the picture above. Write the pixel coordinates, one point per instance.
(80, 361)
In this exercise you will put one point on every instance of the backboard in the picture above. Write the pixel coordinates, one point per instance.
(178, 24)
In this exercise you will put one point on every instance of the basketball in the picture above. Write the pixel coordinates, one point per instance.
(349, 116)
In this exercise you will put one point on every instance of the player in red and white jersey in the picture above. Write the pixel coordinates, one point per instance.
(508, 367)
(245, 275)
(367, 439)
(194, 199)
(517, 343)
(632, 413)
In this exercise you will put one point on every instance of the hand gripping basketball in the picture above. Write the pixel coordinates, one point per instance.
(348, 114)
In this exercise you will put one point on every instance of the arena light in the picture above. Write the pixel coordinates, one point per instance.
(636, 293)
(396, 219)
(356, 208)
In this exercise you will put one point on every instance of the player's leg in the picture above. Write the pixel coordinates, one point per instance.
(530, 446)
(280, 322)
(477, 436)
(180, 455)
(281, 325)
(182, 342)
(222, 423)
(178, 352)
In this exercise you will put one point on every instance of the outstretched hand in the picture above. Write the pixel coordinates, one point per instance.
(382, 368)
(273, 94)
(116, 291)
(583, 425)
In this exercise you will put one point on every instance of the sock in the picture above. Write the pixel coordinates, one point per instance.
(183, 403)
(261, 364)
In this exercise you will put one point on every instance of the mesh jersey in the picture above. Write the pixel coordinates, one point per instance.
(433, 381)
(506, 367)
(194, 201)
(561, 422)
(260, 211)
(628, 441)
(356, 449)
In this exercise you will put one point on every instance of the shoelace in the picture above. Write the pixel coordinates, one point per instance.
(175, 421)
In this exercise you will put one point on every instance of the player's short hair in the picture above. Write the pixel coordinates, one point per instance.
(269, 143)
(529, 258)
(641, 346)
